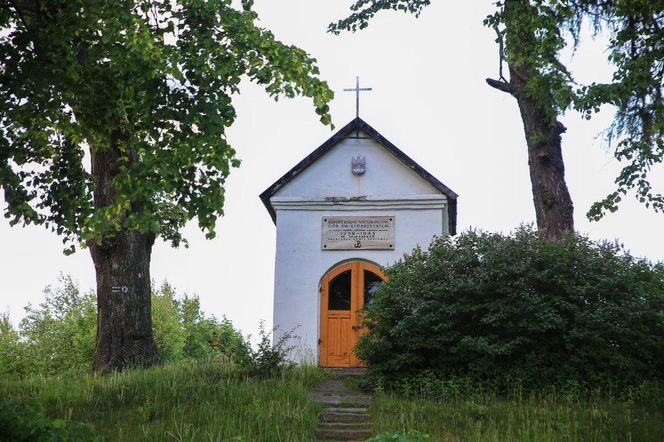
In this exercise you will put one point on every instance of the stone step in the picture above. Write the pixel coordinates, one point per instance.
(342, 372)
(338, 390)
(344, 403)
(345, 435)
(364, 399)
(364, 410)
(344, 417)
(329, 440)
(358, 426)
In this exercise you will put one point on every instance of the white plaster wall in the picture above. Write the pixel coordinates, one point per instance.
(331, 174)
(300, 264)
(390, 188)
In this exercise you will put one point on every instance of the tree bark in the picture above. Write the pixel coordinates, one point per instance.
(122, 265)
(554, 210)
(124, 311)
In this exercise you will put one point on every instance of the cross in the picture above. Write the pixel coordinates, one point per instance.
(357, 91)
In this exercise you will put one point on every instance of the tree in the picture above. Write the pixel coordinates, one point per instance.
(636, 50)
(144, 88)
(530, 35)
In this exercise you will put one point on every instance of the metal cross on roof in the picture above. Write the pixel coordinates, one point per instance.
(357, 91)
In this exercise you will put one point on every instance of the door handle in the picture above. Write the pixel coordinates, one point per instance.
(357, 327)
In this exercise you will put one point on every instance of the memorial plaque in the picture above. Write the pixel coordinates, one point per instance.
(357, 233)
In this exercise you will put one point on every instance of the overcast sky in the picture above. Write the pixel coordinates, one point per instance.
(429, 98)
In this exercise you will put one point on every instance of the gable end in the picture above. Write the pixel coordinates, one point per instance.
(358, 124)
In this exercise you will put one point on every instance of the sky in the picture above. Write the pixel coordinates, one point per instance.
(429, 98)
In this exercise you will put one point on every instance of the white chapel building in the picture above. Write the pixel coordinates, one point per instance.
(355, 204)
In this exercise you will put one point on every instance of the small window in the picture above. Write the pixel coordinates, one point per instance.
(371, 282)
(339, 292)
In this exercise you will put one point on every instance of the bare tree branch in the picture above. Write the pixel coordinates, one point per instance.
(500, 85)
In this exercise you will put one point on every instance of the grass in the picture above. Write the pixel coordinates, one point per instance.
(183, 402)
(487, 418)
(217, 402)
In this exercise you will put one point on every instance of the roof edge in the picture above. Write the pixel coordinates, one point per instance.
(358, 124)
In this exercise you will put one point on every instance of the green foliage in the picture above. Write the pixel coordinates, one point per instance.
(27, 423)
(59, 335)
(269, 359)
(530, 35)
(407, 436)
(554, 417)
(636, 51)
(228, 342)
(189, 400)
(13, 358)
(182, 331)
(520, 307)
(168, 329)
(148, 83)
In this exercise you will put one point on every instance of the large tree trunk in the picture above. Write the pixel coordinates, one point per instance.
(122, 265)
(124, 313)
(553, 205)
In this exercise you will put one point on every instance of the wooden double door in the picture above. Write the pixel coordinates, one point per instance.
(345, 290)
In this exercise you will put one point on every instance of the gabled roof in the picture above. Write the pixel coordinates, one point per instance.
(360, 125)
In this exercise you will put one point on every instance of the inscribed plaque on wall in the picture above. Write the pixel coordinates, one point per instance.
(357, 232)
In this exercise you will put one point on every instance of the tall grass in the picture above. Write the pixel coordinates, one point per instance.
(202, 401)
(518, 418)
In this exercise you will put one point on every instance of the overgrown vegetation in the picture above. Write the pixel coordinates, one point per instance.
(559, 416)
(518, 310)
(213, 386)
(192, 400)
(27, 423)
(59, 335)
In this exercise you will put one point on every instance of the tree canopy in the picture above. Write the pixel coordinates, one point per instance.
(152, 80)
(543, 28)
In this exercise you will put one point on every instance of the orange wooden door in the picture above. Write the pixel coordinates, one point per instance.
(345, 290)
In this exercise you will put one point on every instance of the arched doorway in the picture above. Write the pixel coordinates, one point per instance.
(345, 290)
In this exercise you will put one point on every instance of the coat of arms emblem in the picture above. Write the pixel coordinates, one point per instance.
(358, 164)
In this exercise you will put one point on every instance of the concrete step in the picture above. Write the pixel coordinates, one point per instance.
(364, 410)
(337, 397)
(343, 434)
(342, 372)
(358, 426)
(344, 417)
(338, 394)
(344, 403)
(353, 440)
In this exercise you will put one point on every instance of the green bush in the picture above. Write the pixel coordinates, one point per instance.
(27, 423)
(517, 307)
(268, 359)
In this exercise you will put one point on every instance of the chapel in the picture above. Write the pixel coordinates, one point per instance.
(354, 205)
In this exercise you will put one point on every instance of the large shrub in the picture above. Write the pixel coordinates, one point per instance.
(490, 306)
